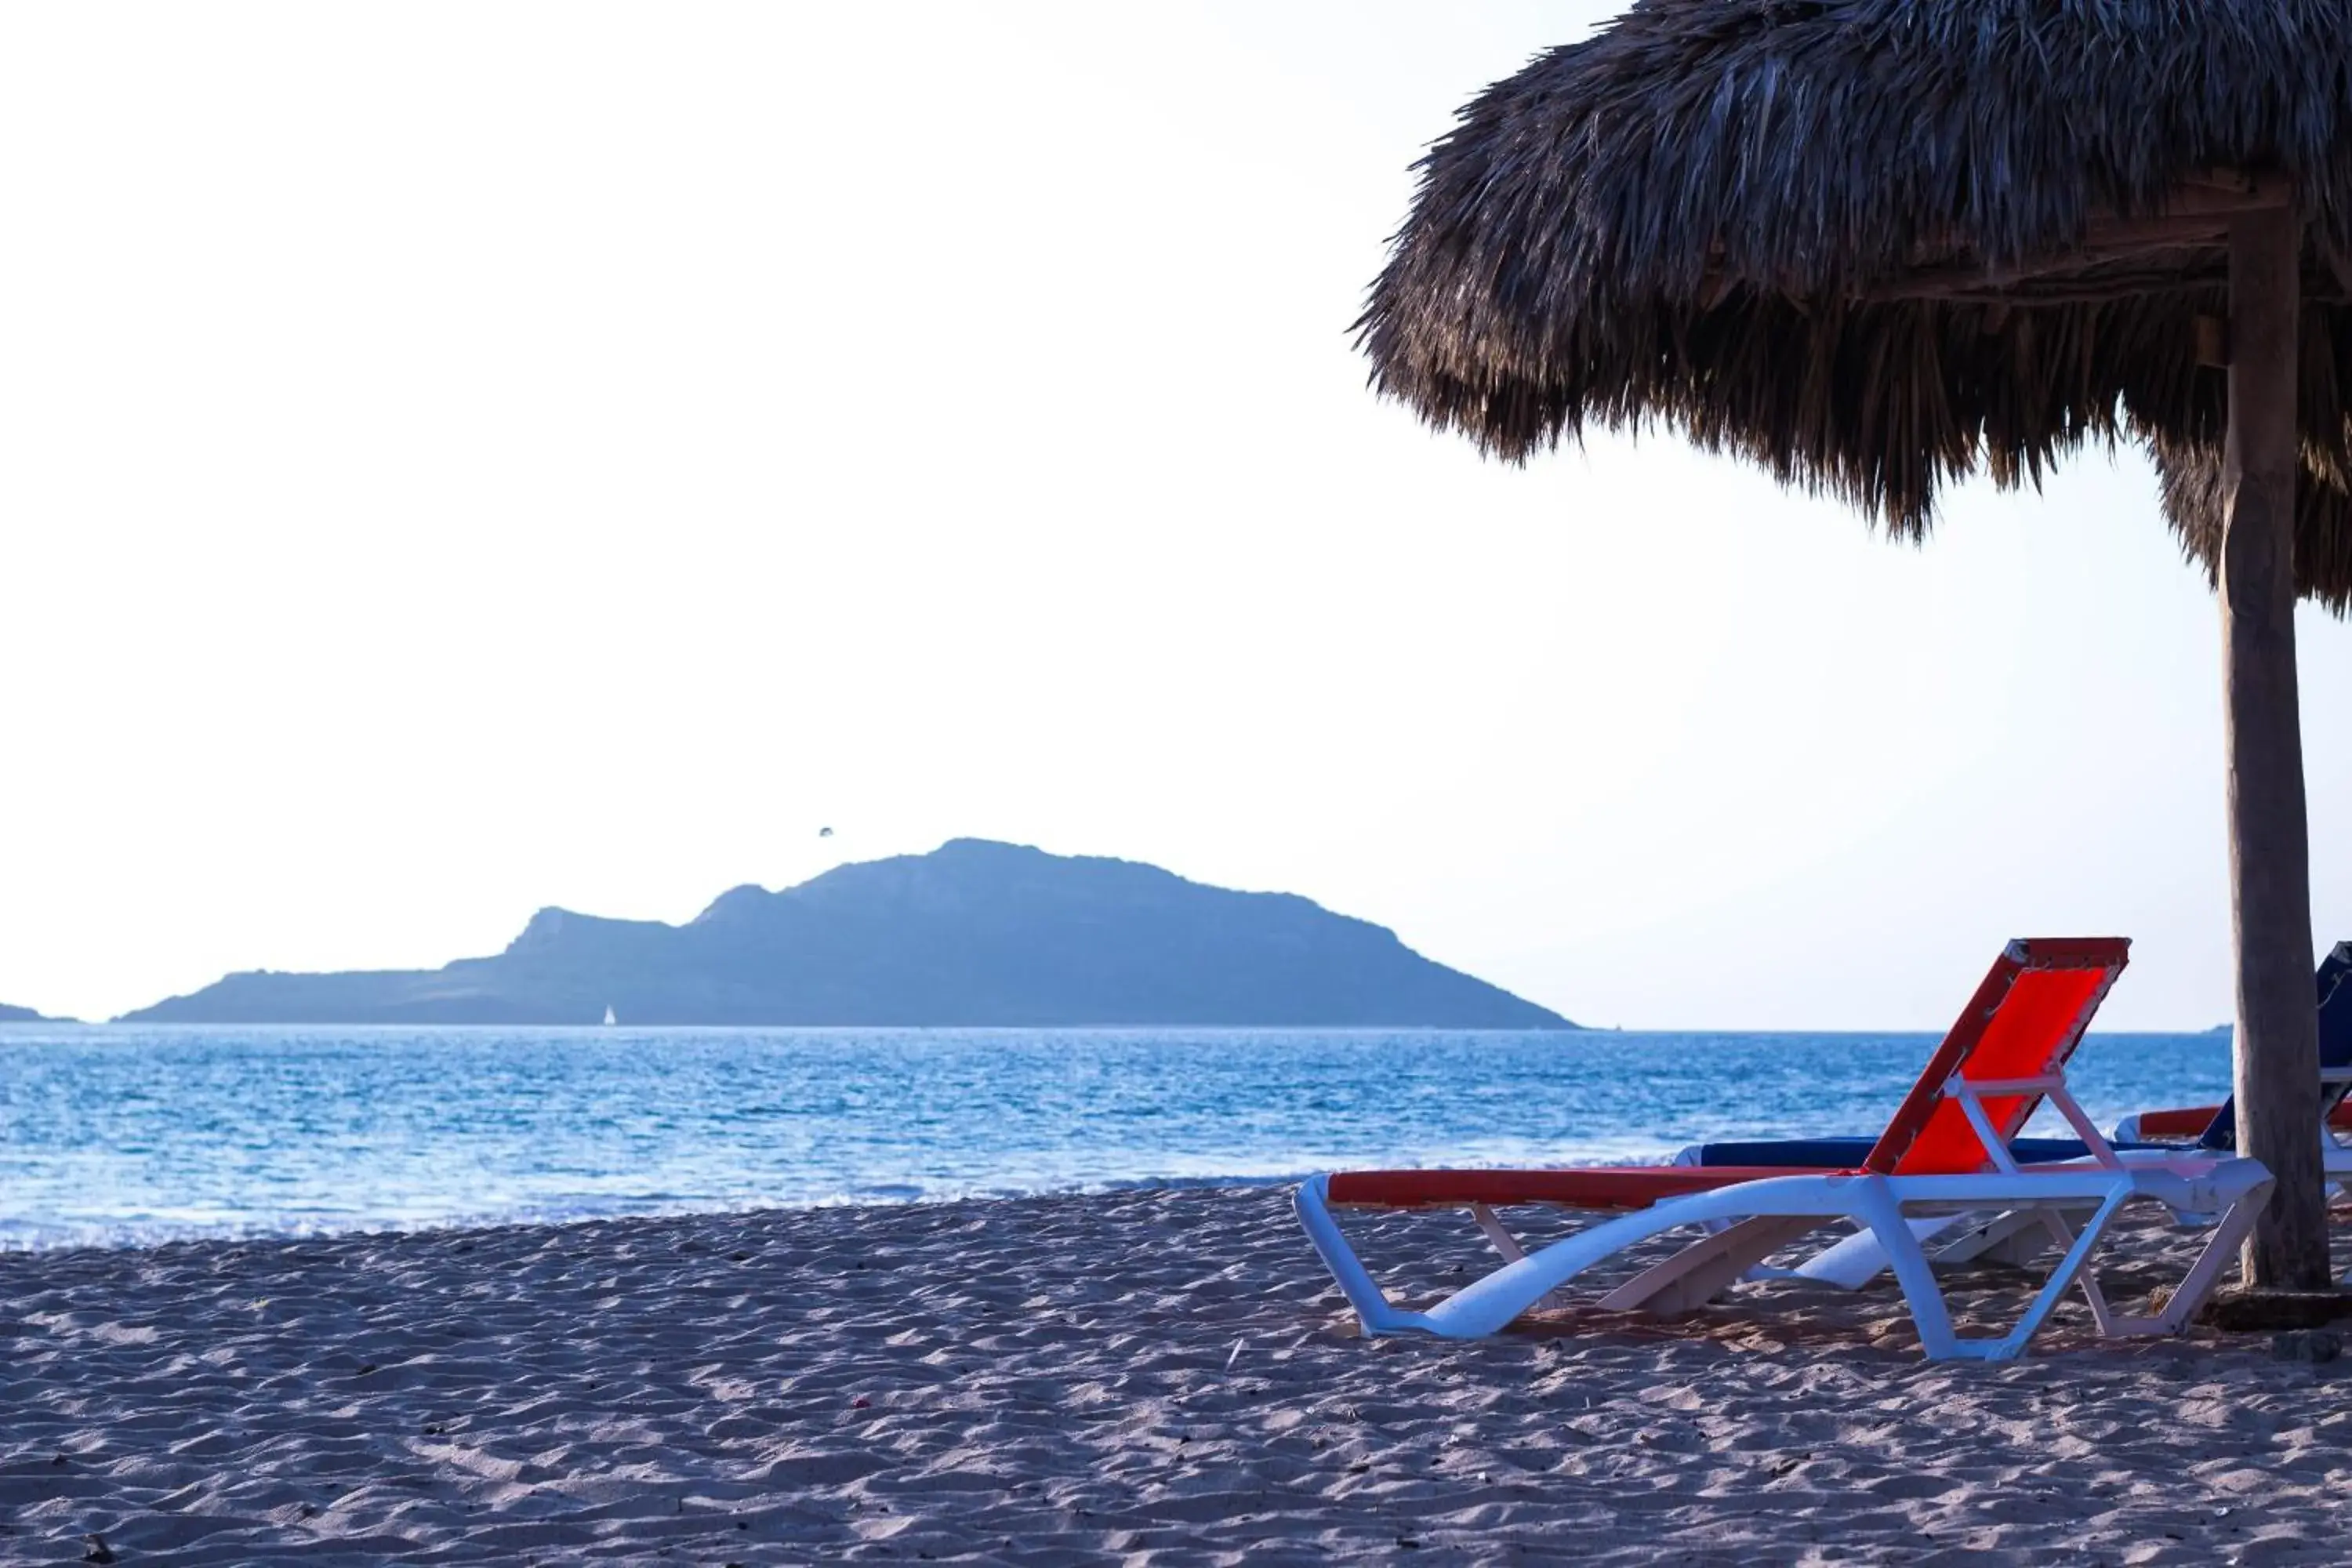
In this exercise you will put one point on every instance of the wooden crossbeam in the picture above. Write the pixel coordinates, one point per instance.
(2241, 180)
(2061, 288)
(2107, 241)
(2070, 279)
(2252, 195)
(2183, 246)
(2106, 233)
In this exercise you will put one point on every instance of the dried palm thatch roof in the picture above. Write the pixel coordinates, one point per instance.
(1876, 245)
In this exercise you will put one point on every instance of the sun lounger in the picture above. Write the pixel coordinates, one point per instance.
(2019, 1237)
(2216, 1126)
(2016, 1238)
(1946, 1151)
(2212, 1126)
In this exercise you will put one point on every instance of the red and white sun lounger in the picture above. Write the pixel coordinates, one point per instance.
(1944, 1153)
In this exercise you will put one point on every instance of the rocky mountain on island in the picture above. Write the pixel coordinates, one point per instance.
(974, 933)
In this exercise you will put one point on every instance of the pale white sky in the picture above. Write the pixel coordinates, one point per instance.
(458, 458)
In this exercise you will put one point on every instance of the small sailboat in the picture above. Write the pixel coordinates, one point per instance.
(609, 1019)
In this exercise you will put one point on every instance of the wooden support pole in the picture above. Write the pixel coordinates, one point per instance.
(2277, 1059)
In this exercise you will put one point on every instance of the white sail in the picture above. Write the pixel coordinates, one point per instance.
(609, 1019)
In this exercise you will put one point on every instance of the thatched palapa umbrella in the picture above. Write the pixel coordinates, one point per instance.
(1878, 245)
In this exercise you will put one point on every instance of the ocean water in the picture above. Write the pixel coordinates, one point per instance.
(119, 1136)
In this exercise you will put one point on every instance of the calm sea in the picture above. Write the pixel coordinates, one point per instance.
(123, 1135)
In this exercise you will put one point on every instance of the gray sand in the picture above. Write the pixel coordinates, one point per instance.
(1047, 1381)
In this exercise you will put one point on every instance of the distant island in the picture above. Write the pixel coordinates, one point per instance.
(26, 1015)
(975, 933)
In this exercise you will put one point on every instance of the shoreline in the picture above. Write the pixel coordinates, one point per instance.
(489, 1224)
(1159, 1376)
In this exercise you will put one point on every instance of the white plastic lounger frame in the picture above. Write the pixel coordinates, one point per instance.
(2019, 1237)
(1747, 1220)
(1769, 1211)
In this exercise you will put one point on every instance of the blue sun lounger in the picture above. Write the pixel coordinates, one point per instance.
(2335, 1071)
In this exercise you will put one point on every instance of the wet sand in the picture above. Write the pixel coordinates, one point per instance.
(1158, 1377)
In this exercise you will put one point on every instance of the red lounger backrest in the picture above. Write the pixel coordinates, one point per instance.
(2025, 1021)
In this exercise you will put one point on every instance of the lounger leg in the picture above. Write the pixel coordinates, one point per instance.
(1913, 1271)
(1488, 1306)
(2010, 1237)
(2061, 1279)
(2016, 1238)
(2054, 1225)
(1878, 1210)
(1505, 1242)
(1702, 1271)
(1356, 1282)
(2220, 1252)
(1859, 1258)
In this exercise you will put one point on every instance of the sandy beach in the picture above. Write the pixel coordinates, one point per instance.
(1158, 1377)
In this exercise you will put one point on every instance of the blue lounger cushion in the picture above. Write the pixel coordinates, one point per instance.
(1845, 1153)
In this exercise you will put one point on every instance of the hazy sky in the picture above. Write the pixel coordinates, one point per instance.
(458, 458)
